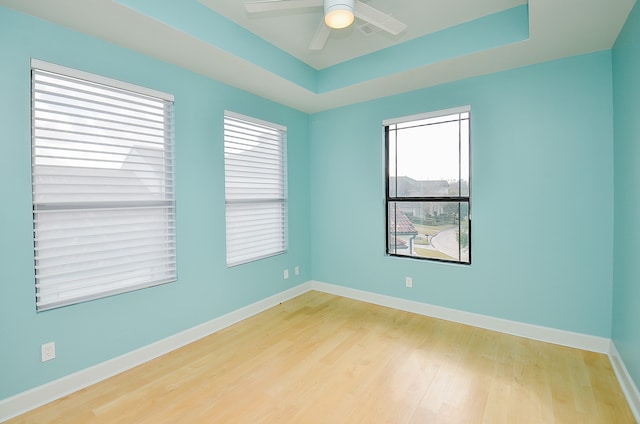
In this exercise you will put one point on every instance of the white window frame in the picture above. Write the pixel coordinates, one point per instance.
(103, 186)
(255, 154)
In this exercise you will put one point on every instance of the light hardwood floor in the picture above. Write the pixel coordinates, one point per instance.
(321, 358)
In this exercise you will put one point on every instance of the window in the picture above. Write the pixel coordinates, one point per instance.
(255, 188)
(103, 193)
(427, 198)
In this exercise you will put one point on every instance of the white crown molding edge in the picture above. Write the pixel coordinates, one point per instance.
(38, 396)
(627, 384)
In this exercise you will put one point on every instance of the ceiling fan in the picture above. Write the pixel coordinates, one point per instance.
(337, 14)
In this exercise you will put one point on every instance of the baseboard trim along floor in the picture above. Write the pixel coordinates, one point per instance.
(628, 387)
(535, 332)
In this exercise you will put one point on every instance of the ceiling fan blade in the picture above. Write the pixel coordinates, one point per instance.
(269, 5)
(320, 37)
(378, 18)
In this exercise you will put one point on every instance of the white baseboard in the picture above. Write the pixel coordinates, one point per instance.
(629, 388)
(535, 332)
(38, 396)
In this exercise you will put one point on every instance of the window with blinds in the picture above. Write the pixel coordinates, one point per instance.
(255, 188)
(103, 192)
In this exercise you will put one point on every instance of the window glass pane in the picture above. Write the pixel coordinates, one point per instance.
(463, 233)
(391, 163)
(436, 230)
(401, 230)
(464, 157)
(428, 160)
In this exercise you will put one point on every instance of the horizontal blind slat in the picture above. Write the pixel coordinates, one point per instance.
(61, 135)
(94, 144)
(58, 301)
(108, 282)
(107, 250)
(143, 118)
(78, 91)
(99, 267)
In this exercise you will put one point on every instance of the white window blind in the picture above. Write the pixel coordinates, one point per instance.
(103, 192)
(255, 188)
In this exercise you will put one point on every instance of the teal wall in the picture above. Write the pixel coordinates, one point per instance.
(626, 289)
(542, 197)
(90, 333)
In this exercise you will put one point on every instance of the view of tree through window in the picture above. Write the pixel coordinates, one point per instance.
(428, 179)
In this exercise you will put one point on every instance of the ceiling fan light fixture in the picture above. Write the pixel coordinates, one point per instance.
(338, 14)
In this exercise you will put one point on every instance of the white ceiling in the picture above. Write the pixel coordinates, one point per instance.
(292, 30)
(557, 28)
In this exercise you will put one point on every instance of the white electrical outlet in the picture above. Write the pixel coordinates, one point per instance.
(286, 274)
(48, 351)
(296, 270)
(408, 282)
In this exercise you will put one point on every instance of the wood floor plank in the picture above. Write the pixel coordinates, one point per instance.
(321, 358)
